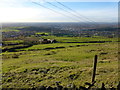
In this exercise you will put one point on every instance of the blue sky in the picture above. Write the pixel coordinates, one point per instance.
(26, 11)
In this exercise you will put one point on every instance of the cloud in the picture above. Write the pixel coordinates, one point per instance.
(38, 14)
(17, 10)
(17, 14)
(12, 3)
(28, 15)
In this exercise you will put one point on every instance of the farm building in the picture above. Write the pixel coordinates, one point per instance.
(46, 41)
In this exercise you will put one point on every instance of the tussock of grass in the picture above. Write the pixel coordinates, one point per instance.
(67, 65)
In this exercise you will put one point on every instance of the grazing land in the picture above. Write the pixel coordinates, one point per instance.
(31, 60)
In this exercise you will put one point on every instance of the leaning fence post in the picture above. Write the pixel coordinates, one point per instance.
(94, 68)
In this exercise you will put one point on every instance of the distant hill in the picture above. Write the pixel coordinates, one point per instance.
(41, 29)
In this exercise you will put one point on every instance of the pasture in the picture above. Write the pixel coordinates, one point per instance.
(67, 63)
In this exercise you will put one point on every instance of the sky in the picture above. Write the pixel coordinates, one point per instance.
(32, 11)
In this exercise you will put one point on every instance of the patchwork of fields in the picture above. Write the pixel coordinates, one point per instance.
(67, 63)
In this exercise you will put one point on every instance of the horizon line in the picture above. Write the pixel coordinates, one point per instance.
(59, 22)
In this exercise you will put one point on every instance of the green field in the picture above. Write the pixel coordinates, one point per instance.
(69, 63)
(80, 39)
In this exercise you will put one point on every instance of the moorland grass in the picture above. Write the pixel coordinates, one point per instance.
(34, 68)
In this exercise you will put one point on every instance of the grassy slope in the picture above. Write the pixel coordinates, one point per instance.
(68, 65)
(80, 39)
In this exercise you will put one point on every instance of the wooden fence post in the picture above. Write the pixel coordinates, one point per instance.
(94, 68)
(118, 87)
